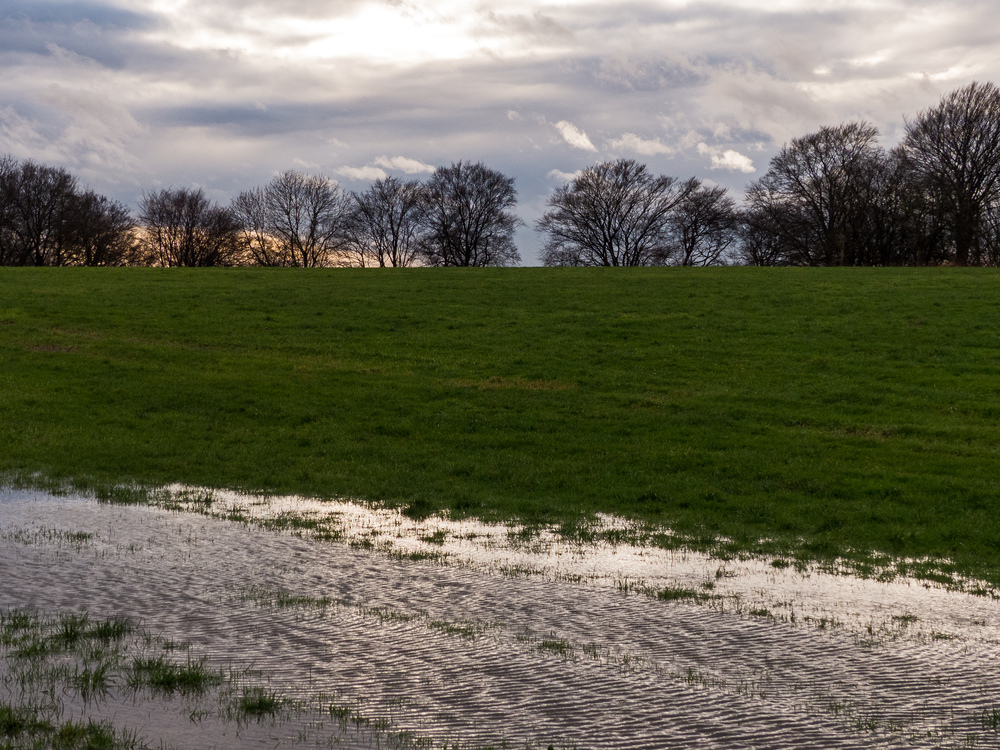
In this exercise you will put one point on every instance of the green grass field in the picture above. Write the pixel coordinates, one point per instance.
(809, 412)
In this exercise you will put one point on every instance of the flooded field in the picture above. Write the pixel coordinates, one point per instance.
(364, 628)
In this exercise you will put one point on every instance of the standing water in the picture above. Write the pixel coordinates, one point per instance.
(444, 633)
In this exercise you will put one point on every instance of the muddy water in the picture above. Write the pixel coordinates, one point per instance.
(538, 645)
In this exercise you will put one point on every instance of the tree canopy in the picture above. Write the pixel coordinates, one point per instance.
(469, 218)
(615, 213)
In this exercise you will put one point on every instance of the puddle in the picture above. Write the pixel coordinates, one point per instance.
(462, 632)
(872, 609)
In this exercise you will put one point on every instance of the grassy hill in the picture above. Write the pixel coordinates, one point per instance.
(809, 412)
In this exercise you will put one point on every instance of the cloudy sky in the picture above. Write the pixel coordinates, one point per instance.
(224, 93)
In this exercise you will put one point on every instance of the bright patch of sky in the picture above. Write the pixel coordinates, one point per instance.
(225, 93)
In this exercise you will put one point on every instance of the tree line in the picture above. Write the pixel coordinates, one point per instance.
(834, 197)
(462, 216)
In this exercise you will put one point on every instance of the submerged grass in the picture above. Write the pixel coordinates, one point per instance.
(20, 729)
(805, 413)
(257, 702)
(671, 593)
(26, 636)
(16, 721)
(46, 661)
(160, 674)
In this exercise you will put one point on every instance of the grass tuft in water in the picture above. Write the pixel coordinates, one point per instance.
(561, 647)
(257, 702)
(72, 628)
(672, 593)
(438, 537)
(92, 680)
(462, 630)
(95, 735)
(21, 729)
(16, 721)
(991, 718)
(162, 675)
(265, 597)
(113, 629)
(122, 494)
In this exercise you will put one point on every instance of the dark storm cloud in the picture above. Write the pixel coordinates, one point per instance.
(41, 13)
(92, 30)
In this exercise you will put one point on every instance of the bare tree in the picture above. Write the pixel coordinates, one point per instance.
(817, 195)
(10, 253)
(704, 225)
(612, 214)
(102, 232)
(954, 150)
(989, 254)
(36, 202)
(386, 224)
(468, 218)
(259, 244)
(306, 216)
(182, 227)
(898, 226)
(760, 239)
(46, 220)
(924, 234)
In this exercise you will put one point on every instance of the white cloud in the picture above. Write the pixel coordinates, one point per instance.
(638, 145)
(574, 136)
(560, 176)
(404, 164)
(85, 131)
(869, 60)
(18, 136)
(729, 159)
(368, 173)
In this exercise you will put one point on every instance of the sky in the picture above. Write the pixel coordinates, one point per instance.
(224, 94)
